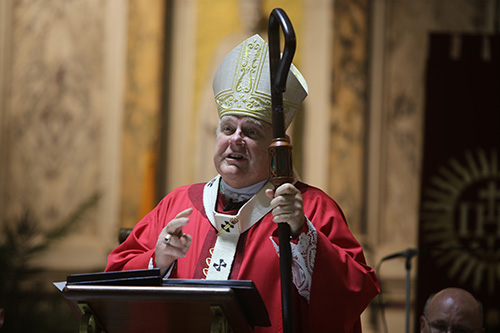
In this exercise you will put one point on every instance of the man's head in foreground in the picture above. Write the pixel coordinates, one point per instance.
(452, 310)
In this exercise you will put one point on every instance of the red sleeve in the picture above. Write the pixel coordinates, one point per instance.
(342, 284)
(139, 247)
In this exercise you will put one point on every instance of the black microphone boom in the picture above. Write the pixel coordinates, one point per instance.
(408, 253)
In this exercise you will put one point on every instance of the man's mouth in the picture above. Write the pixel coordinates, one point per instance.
(235, 156)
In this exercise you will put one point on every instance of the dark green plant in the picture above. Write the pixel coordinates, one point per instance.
(28, 309)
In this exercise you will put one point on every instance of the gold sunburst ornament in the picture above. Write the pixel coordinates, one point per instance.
(461, 215)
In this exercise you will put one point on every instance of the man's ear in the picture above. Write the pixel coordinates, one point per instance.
(423, 324)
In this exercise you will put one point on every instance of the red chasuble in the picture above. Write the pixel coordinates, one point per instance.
(342, 284)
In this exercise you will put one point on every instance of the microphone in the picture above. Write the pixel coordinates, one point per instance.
(408, 253)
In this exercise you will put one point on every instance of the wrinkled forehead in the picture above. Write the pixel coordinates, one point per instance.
(455, 310)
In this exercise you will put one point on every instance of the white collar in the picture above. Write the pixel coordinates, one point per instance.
(240, 194)
(251, 212)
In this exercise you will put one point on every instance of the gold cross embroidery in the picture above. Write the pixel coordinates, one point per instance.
(229, 224)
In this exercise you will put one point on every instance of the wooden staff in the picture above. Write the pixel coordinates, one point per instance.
(280, 150)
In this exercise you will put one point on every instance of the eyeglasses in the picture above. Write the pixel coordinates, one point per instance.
(442, 327)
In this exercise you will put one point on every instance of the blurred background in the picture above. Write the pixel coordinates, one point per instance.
(106, 106)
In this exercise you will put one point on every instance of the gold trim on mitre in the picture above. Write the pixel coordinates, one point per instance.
(242, 83)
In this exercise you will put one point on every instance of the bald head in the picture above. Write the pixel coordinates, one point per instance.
(452, 308)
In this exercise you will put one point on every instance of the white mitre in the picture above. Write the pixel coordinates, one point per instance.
(242, 84)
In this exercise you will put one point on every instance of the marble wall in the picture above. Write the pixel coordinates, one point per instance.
(58, 116)
(349, 109)
(142, 120)
(53, 121)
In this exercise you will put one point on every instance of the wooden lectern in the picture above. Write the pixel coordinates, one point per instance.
(173, 306)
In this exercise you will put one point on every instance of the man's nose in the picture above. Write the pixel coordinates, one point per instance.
(237, 138)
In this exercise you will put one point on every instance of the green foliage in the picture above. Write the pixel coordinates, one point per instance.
(27, 307)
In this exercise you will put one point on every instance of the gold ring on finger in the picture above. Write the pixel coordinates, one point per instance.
(168, 237)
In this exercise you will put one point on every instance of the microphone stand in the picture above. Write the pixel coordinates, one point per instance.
(408, 254)
(407, 307)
